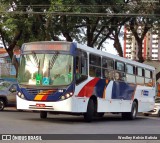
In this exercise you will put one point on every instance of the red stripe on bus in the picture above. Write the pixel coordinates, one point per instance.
(44, 97)
(87, 90)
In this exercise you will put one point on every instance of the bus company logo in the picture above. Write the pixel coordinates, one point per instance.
(6, 137)
(144, 93)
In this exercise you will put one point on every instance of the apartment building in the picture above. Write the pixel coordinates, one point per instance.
(151, 48)
(151, 45)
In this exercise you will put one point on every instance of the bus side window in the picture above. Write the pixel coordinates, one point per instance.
(107, 68)
(130, 73)
(81, 67)
(94, 65)
(120, 71)
(148, 78)
(140, 75)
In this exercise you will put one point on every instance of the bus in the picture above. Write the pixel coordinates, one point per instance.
(70, 78)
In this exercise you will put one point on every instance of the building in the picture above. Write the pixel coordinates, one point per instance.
(7, 70)
(151, 45)
(151, 49)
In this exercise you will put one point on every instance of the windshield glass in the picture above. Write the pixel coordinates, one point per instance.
(46, 69)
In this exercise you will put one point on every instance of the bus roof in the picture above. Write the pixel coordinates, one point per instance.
(95, 51)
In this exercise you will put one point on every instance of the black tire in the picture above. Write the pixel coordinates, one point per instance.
(124, 115)
(2, 104)
(88, 116)
(100, 115)
(145, 114)
(43, 114)
(131, 115)
(158, 113)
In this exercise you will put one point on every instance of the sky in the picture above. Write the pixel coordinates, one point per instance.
(1, 44)
(110, 48)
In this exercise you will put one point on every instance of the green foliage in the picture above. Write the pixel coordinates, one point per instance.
(89, 29)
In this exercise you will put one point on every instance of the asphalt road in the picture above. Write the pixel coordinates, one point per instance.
(15, 122)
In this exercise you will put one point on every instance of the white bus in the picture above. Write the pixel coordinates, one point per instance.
(69, 78)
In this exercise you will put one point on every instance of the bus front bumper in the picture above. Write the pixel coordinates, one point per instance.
(68, 105)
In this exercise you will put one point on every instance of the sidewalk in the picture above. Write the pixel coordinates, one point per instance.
(10, 109)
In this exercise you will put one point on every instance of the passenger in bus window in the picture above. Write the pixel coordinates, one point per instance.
(117, 76)
(98, 72)
(78, 75)
(92, 71)
(111, 75)
(105, 73)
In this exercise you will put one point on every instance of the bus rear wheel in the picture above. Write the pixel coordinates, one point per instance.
(131, 115)
(88, 116)
(100, 115)
(43, 114)
(145, 114)
(158, 113)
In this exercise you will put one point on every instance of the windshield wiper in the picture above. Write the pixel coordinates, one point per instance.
(52, 61)
(35, 59)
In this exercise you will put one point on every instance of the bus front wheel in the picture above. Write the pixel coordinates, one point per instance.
(88, 116)
(43, 114)
(2, 104)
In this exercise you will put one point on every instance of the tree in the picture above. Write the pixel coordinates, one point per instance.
(139, 36)
(49, 27)
(84, 21)
(142, 23)
(16, 29)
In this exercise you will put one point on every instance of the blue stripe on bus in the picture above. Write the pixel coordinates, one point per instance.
(122, 90)
(100, 87)
(55, 96)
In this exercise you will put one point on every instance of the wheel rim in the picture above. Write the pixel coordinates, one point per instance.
(134, 111)
(1, 105)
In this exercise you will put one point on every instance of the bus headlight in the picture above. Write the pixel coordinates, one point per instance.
(68, 95)
(21, 95)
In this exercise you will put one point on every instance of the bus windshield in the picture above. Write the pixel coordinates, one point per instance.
(46, 69)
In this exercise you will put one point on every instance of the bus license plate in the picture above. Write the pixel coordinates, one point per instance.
(40, 105)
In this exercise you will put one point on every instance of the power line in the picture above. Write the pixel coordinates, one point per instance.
(81, 14)
(79, 5)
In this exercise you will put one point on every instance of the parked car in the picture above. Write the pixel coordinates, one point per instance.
(156, 110)
(7, 94)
